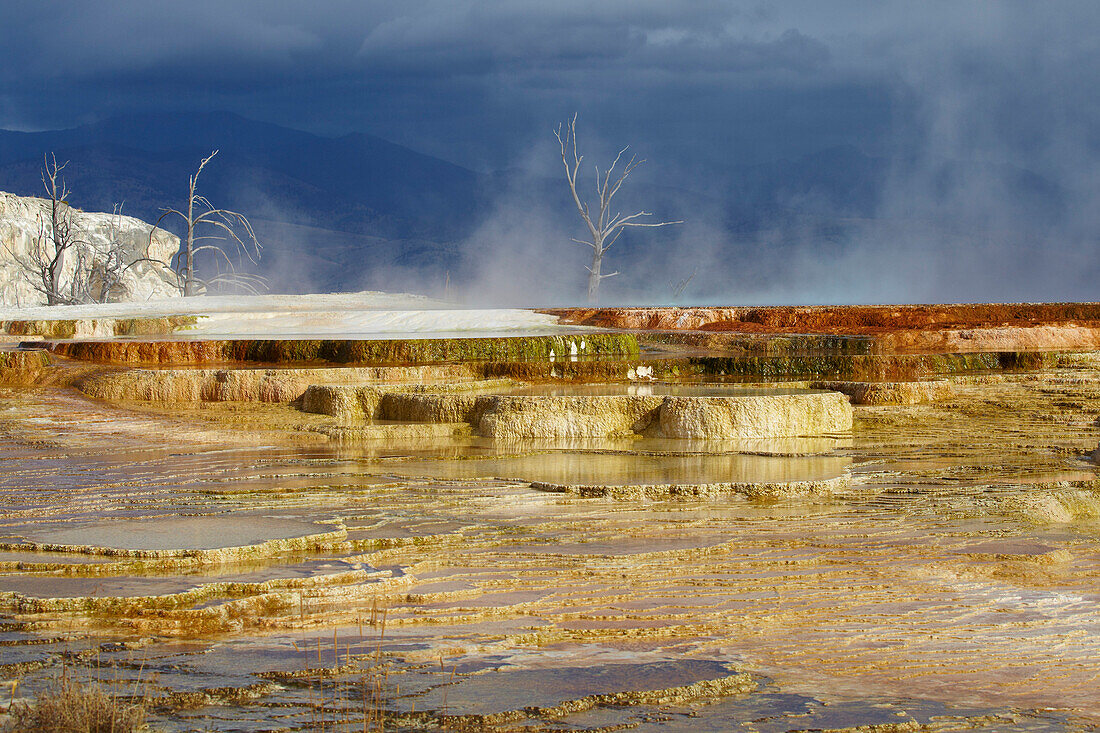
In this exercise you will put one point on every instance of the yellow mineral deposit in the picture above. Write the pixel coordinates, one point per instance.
(480, 545)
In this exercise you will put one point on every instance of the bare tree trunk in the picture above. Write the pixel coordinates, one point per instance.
(57, 264)
(594, 279)
(219, 226)
(189, 269)
(188, 273)
(45, 264)
(61, 265)
(604, 226)
(62, 232)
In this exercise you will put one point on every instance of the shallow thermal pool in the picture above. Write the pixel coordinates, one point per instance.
(187, 533)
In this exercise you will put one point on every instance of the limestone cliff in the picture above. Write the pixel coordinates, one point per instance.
(21, 219)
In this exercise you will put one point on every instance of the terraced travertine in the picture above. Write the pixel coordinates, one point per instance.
(261, 385)
(951, 585)
(768, 490)
(98, 327)
(756, 417)
(519, 417)
(882, 329)
(22, 368)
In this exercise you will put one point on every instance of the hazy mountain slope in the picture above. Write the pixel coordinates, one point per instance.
(146, 160)
(358, 211)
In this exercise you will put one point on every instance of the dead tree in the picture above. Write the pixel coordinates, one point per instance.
(213, 230)
(62, 263)
(678, 288)
(105, 274)
(603, 227)
(57, 248)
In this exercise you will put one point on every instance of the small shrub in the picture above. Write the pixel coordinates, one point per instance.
(67, 706)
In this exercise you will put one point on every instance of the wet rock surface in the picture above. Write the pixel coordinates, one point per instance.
(22, 368)
(938, 571)
(777, 416)
(891, 393)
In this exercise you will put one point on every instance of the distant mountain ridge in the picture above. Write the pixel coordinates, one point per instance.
(358, 211)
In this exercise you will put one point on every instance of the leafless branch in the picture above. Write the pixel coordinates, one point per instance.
(206, 223)
(604, 227)
(678, 288)
(56, 264)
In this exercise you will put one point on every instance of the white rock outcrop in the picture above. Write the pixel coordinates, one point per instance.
(21, 220)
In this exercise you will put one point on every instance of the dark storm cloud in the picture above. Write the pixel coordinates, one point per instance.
(330, 65)
(92, 57)
(456, 38)
(207, 43)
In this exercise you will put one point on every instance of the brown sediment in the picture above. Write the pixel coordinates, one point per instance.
(866, 329)
(759, 344)
(874, 367)
(241, 383)
(320, 384)
(98, 327)
(764, 491)
(349, 386)
(860, 367)
(839, 320)
(259, 385)
(337, 351)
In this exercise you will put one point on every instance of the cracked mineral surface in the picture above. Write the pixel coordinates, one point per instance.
(248, 572)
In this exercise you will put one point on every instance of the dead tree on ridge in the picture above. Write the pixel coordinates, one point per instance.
(605, 227)
(228, 256)
(62, 263)
(58, 241)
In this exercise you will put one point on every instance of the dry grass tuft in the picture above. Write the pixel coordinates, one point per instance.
(67, 706)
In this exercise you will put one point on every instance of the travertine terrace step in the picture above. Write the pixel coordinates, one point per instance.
(594, 416)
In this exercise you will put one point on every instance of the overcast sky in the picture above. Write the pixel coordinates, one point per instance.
(482, 82)
(695, 86)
